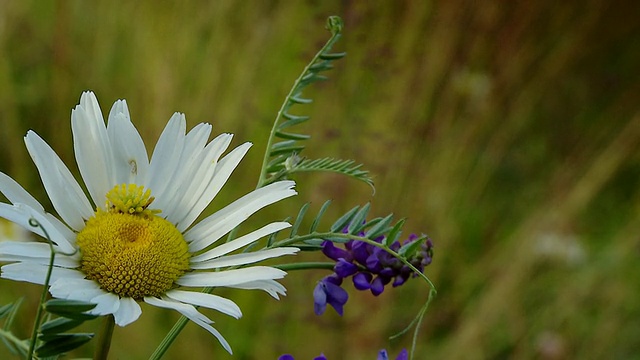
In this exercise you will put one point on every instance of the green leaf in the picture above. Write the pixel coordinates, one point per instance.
(359, 219)
(292, 120)
(409, 249)
(344, 220)
(71, 309)
(344, 167)
(58, 326)
(4, 311)
(63, 343)
(62, 305)
(296, 224)
(11, 316)
(316, 221)
(309, 247)
(291, 136)
(394, 233)
(380, 228)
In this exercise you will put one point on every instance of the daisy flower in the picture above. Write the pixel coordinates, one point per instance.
(133, 239)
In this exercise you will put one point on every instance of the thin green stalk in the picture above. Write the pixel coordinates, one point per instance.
(104, 339)
(305, 266)
(169, 338)
(45, 289)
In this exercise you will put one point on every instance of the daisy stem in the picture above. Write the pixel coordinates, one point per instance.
(36, 324)
(104, 339)
(169, 338)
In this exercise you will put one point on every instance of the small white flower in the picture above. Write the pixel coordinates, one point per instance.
(137, 242)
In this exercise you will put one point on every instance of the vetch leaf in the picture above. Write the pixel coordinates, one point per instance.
(358, 221)
(344, 220)
(296, 224)
(394, 233)
(380, 228)
(316, 221)
(59, 325)
(63, 343)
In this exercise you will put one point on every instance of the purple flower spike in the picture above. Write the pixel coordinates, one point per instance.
(286, 357)
(326, 292)
(362, 281)
(321, 357)
(344, 268)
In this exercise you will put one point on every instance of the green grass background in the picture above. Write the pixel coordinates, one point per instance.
(507, 131)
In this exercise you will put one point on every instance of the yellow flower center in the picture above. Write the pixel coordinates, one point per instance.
(129, 250)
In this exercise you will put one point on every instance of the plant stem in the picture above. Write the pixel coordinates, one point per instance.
(104, 338)
(169, 338)
(45, 289)
(305, 266)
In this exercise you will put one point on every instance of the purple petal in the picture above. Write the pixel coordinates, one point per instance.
(321, 357)
(404, 355)
(319, 299)
(335, 253)
(388, 272)
(286, 357)
(399, 280)
(382, 355)
(334, 279)
(362, 281)
(377, 286)
(344, 268)
(336, 296)
(360, 252)
(373, 263)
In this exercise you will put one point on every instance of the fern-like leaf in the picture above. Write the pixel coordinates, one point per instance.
(284, 143)
(344, 167)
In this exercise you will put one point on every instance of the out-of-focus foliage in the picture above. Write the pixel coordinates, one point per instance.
(507, 131)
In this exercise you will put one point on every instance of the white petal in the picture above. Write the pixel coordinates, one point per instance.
(192, 160)
(221, 174)
(230, 277)
(199, 180)
(209, 230)
(210, 301)
(63, 190)
(17, 194)
(61, 228)
(166, 156)
(241, 241)
(36, 273)
(92, 148)
(272, 287)
(106, 303)
(130, 158)
(21, 214)
(244, 258)
(75, 289)
(128, 312)
(39, 253)
(192, 314)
